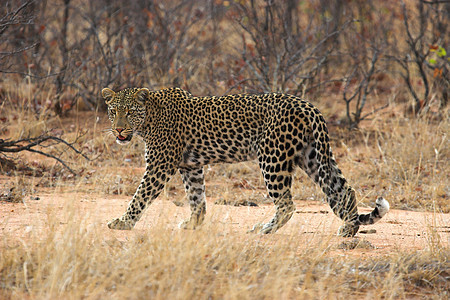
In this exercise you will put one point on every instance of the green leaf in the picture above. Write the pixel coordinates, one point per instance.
(441, 52)
(432, 61)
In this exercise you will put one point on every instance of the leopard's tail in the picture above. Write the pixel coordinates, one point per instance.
(323, 169)
(342, 200)
(381, 208)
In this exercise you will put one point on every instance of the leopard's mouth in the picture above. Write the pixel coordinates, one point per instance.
(123, 139)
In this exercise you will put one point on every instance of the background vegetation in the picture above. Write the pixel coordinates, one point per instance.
(378, 70)
(75, 48)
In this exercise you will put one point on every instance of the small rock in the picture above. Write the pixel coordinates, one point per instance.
(355, 243)
(370, 231)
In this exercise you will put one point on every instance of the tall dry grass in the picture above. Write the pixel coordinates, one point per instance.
(415, 157)
(403, 158)
(76, 259)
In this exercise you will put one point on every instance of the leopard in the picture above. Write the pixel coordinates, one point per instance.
(186, 133)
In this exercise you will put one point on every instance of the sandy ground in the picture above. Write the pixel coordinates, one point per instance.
(397, 231)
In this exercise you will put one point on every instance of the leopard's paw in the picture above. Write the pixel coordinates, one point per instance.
(119, 224)
(263, 228)
(256, 229)
(348, 230)
(188, 224)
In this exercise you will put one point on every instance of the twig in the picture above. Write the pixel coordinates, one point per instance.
(16, 146)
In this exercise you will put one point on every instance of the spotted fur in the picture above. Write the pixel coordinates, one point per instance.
(185, 133)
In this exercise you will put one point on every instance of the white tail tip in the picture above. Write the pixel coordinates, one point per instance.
(383, 206)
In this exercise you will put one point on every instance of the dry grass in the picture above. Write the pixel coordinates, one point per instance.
(76, 259)
(415, 159)
(405, 159)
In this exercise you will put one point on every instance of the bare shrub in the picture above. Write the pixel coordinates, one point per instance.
(16, 32)
(127, 44)
(424, 30)
(102, 43)
(285, 45)
(362, 53)
(222, 46)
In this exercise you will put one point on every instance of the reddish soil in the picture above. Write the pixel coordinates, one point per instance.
(397, 231)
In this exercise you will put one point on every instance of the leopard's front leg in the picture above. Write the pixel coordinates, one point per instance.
(138, 204)
(158, 173)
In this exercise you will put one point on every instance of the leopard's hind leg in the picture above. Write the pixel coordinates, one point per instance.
(277, 173)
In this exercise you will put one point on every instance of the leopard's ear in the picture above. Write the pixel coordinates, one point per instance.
(108, 95)
(141, 95)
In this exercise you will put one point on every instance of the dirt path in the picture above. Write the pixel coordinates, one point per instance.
(398, 231)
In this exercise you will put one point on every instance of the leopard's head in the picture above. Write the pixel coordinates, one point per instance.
(126, 110)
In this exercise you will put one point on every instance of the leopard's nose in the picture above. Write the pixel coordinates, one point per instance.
(119, 130)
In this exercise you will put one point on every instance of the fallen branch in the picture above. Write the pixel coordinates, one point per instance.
(28, 144)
